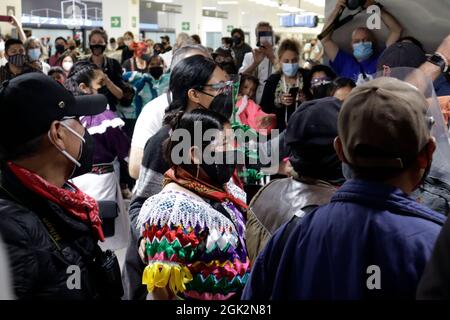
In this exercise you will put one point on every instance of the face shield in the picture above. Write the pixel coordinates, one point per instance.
(441, 158)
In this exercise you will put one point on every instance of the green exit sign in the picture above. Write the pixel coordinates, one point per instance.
(230, 28)
(116, 22)
(186, 26)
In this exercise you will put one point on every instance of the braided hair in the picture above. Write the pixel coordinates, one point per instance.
(81, 72)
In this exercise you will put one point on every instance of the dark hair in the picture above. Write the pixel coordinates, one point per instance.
(376, 174)
(228, 40)
(196, 38)
(339, 83)
(54, 70)
(323, 68)
(289, 45)
(100, 32)
(188, 121)
(81, 72)
(248, 77)
(23, 151)
(240, 31)
(189, 73)
(129, 33)
(61, 38)
(11, 42)
(112, 40)
(413, 40)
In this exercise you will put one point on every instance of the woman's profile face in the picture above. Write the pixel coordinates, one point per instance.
(208, 94)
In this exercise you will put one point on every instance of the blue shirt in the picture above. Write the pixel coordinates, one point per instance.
(345, 65)
(330, 253)
(442, 86)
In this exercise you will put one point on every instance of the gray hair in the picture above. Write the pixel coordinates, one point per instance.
(181, 53)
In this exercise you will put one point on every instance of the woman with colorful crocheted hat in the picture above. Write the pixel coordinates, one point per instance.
(194, 228)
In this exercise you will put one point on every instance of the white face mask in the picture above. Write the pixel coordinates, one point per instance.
(67, 66)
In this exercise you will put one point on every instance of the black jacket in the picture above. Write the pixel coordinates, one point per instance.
(39, 269)
(114, 71)
(268, 99)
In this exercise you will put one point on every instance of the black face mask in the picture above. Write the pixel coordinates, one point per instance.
(220, 174)
(321, 91)
(237, 40)
(87, 156)
(222, 103)
(156, 72)
(97, 49)
(60, 48)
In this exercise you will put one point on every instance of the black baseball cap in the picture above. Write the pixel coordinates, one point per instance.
(314, 123)
(31, 102)
(401, 54)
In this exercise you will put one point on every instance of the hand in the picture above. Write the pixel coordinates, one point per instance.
(268, 50)
(444, 48)
(287, 99)
(340, 4)
(14, 22)
(267, 121)
(142, 251)
(258, 55)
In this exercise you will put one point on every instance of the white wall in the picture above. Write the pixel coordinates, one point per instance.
(5, 28)
(126, 9)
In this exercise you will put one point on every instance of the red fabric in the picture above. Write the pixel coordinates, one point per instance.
(253, 117)
(76, 203)
(186, 180)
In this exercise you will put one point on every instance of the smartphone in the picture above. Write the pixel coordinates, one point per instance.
(5, 18)
(294, 92)
(265, 36)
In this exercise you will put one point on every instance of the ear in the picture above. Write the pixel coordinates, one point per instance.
(57, 135)
(195, 156)
(426, 156)
(84, 88)
(194, 96)
(339, 149)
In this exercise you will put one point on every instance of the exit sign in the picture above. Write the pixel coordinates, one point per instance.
(186, 26)
(116, 22)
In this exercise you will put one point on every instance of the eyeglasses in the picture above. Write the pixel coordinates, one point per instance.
(220, 87)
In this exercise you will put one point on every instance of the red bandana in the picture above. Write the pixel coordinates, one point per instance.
(198, 186)
(76, 203)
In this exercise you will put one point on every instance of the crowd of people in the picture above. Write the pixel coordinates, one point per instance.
(356, 210)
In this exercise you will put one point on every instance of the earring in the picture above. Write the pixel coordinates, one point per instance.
(198, 169)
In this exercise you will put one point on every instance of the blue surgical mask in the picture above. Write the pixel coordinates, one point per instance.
(362, 50)
(34, 54)
(290, 69)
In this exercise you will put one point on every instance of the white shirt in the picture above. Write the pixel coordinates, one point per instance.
(264, 70)
(149, 121)
(167, 57)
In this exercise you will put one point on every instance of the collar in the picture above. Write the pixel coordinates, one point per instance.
(384, 197)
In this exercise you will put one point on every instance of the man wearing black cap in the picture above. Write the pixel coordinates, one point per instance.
(50, 228)
(165, 41)
(372, 240)
(317, 173)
